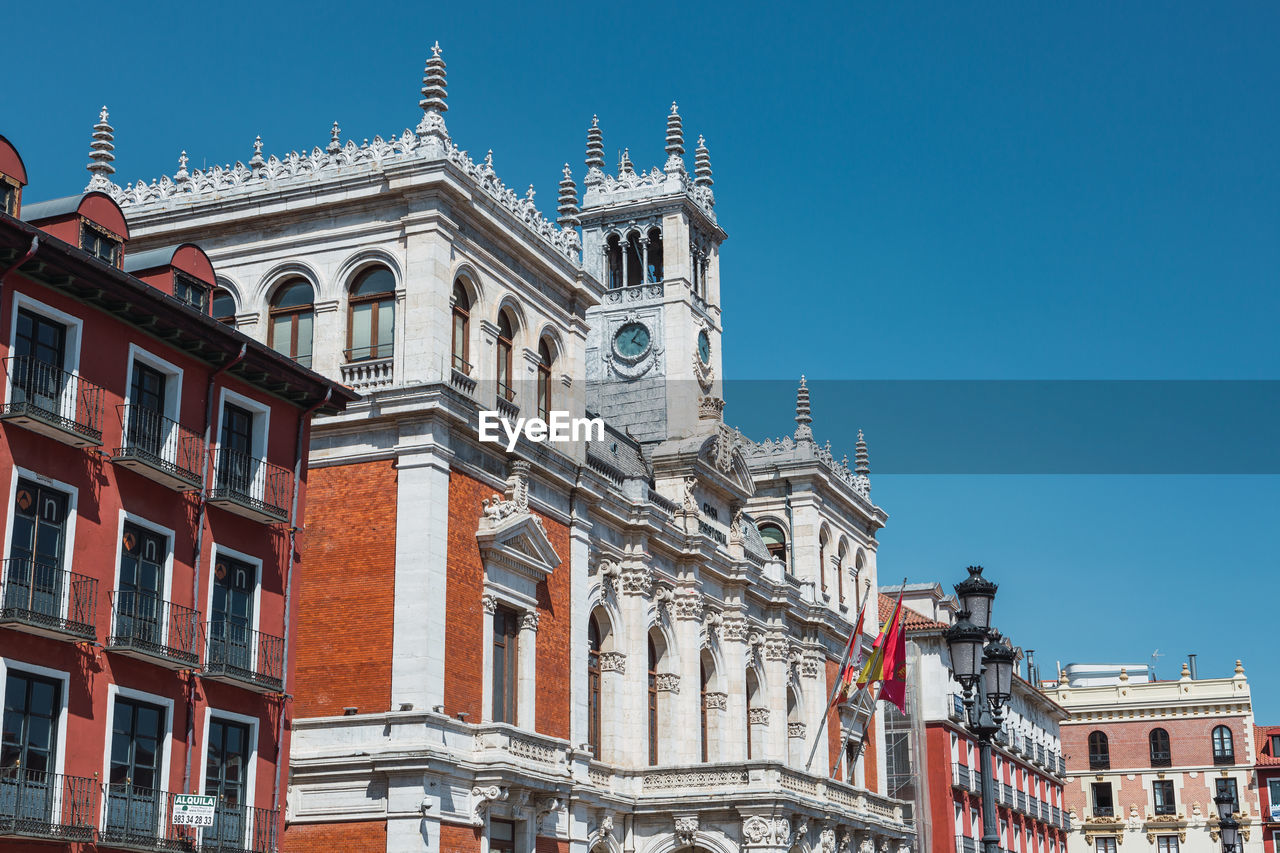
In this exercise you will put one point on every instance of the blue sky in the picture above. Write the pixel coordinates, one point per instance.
(912, 191)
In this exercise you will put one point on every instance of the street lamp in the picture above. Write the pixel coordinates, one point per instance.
(1228, 826)
(982, 662)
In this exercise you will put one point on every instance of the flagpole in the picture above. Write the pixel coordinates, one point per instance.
(817, 736)
(862, 738)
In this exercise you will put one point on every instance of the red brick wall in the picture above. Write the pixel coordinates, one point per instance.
(833, 724)
(941, 797)
(346, 590)
(551, 845)
(459, 839)
(871, 760)
(464, 616)
(366, 836)
(1190, 741)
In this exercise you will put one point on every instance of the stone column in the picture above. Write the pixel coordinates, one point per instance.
(575, 563)
(733, 648)
(775, 667)
(486, 658)
(526, 713)
(685, 711)
(422, 531)
(632, 724)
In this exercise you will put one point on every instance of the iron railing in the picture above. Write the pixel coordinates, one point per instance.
(150, 437)
(236, 651)
(35, 804)
(252, 482)
(962, 776)
(143, 623)
(1224, 757)
(461, 365)
(43, 596)
(47, 393)
(240, 828)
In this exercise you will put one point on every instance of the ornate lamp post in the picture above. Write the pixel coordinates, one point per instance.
(1228, 826)
(982, 661)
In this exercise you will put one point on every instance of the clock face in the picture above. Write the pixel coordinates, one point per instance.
(704, 347)
(632, 340)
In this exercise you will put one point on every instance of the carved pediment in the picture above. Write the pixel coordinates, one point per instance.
(511, 535)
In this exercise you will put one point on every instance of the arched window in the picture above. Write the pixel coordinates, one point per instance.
(224, 307)
(613, 262)
(775, 541)
(754, 701)
(653, 267)
(371, 315)
(1224, 751)
(544, 380)
(292, 317)
(593, 686)
(840, 557)
(822, 561)
(653, 703)
(1158, 741)
(506, 332)
(858, 563)
(633, 260)
(1099, 751)
(461, 329)
(795, 729)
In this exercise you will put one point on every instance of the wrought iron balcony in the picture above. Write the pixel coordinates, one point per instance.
(35, 804)
(240, 828)
(159, 448)
(45, 600)
(251, 487)
(1224, 757)
(237, 654)
(155, 630)
(142, 819)
(46, 399)
(1104, 811)
(961, 776)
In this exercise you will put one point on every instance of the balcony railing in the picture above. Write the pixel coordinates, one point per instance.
(47, 599)
(35, 804)
(159, 448)
(142, 624)
(251, 487)
(1104, 811)
(369, 374)
(240, 828)
(1224, 757)
(49, 400)
(237, 653)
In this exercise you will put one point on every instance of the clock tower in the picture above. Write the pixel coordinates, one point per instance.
(653, 351)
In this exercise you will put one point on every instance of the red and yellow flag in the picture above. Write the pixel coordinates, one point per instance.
(851, 660)
(894, 668)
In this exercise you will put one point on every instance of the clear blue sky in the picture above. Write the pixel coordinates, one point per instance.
(911, 191)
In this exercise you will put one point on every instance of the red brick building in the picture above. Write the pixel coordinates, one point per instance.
(1266, 749)
(934, 760)
(152, 470)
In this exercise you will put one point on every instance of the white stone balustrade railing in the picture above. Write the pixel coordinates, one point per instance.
(372, 375)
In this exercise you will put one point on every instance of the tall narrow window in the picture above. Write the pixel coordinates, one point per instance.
(1099, 751)
(134, 780)
(372, 315)
(1103, 805)
(146, 426)
(227, 778)
(653, 703)
(29, 747)
(544, 380)
(1162, 793)
(502, 836)
(1158, 741)
(237, 468)
(34, 579)
(702, 705)
(593, 686)
(140, 610)
(1227, 788)
(613, 262)
(461, 329)
(506, 332)
(653, 269)
(231, 641)
(822, 562)
(840, 557)
(224, 307)
(1223, 750)
(38, 372)
(292, 319)
(506, 625)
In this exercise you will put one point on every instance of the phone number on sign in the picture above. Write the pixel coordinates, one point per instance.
(189, 819)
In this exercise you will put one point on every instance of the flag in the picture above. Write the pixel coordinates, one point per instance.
(851, 660)
(875, 667)
(894, 670)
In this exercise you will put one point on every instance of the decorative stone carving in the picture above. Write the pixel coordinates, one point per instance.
(866, 846)
(758, 716)
(490, 602)
(613, 662)
(795, 729)
(776, 647)
(610, 573)
(529, 621)
(717, 701)
(733, 627)
(810, 665)
(800, 827)
(736, 525)
(688, 604)
(496, 509)
(827, 840)
(756, 830)
(709, 408)
(549, 806)
(686, 828)
(725, 449)
(782, 831)
(688, 502)
(637, 579)
(481, 799)
(667, 682)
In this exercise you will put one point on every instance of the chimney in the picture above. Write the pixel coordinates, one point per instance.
(1191, 662)
(1033, 674)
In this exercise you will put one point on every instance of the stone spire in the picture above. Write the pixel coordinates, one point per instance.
(101, 154)
(803, 431)
(256, 162)
(595, 153)
(568, 208)
(702, 165)
(434, 97)
(181, 176)
(675, 142)
(624, 163)
(862, 462)
(334, 145)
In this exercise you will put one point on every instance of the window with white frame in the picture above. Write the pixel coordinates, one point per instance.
(242, 446)
(1167, 844)
(44, 360)
(1104, 844)
(152, 407)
